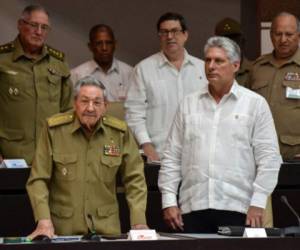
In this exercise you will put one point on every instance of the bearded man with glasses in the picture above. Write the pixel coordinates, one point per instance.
(34, 84)
(159, 83)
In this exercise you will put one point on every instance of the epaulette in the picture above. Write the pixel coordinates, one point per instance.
(114, 122)
(8, 47)
(60, 119)
(259, 59)
(55, 53)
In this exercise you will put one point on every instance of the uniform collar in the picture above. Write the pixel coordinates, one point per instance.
(19, 51)
(77, 125)
(269, 58)
(163, 60)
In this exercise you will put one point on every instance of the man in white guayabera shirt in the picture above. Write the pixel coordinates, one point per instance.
(159, 83)
(223, 149)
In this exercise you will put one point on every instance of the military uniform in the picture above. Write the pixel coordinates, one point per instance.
(280, 85)
(30, 91)
(243, 74)
(73, 176)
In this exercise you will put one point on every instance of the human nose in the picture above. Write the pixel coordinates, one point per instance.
(170, 34)
(90, 106)
(283, 38)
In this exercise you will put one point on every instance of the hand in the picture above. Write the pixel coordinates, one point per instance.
(172, 217)
(44, 227)
(139, 226)
(255, 216)
(150, 152)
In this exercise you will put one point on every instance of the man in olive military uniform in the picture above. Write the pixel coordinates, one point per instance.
(276, 76)
(230, 28)
(34, 84)
(73, 178)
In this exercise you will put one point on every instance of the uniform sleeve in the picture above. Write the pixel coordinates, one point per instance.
(37, 184)
(170, 171)
(136, 105)
(66, 92)
(267, 156)
(132, 172)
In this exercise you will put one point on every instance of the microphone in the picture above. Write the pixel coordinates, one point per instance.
(92, 234)
(294, 230)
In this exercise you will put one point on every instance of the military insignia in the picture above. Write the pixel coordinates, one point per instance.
(111, 150)
(60, 119)
(55, 53)
(64, 171)
(11, 72)
(16, 91)
(10, 91)
(6, 48)
(292, 76)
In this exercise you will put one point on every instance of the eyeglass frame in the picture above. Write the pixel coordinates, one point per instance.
(35, 26)
(174, 32)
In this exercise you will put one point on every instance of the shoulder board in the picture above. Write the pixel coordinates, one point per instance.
(260, 59)
(55, 53)
(60, 119)
(6, 48)
(114, 122)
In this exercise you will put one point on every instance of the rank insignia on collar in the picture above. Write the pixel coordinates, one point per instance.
(111, 150)
(292, 76)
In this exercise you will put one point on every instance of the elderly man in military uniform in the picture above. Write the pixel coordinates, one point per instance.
(34, 84)
(72, 186)
(231, 28)
(276, 76)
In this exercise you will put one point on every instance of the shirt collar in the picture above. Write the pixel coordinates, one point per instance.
(95, 66)
(163, 60)
(19, 51)
(234, 91)
(270, 58)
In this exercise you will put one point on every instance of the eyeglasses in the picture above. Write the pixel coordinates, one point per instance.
(95, 103)
(35, 26)
(173, 32)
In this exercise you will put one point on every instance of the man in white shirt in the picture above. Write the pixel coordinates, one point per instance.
(222, 148)
(159, 83)
(104, 67)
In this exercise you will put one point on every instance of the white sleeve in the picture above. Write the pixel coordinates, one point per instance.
(136, 105)
(267, 156)
(170, 170)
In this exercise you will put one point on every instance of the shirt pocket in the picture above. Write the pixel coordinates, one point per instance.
(261, 87)
(109, 167)
(55, 79)
(65, 166)
(10, 142)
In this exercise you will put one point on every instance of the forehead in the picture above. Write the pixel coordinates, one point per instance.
(102, 35)
(285, 23)
(38, 16)
(90, 92)
(170, 24)
(216, 52)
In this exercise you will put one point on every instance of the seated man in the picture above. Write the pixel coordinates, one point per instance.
(73, 179)
(223, 149)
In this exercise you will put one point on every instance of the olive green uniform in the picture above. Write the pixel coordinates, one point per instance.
(271, 81)
(243, 74)
(73, 177)
(30, 91)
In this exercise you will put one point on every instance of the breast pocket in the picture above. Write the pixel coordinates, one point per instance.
(55, 78)
(109, 167)
(65, 166)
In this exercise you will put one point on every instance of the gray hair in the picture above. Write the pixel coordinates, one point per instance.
(285, 14)
(89, 81)
(231, 48)
(31, 8)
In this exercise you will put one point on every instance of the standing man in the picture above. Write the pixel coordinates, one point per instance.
(34, 84)
(113, 73)
(231, 28)
(72, 186)
(276, 76)
(223, 119)
(159, 84)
